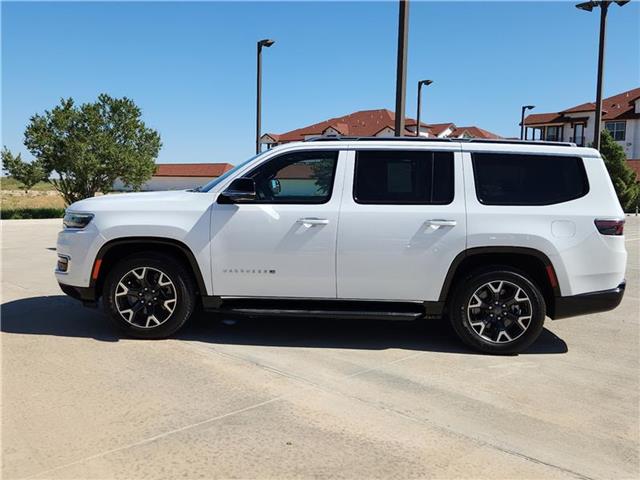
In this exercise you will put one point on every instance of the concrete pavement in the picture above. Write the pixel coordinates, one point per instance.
(305, 398)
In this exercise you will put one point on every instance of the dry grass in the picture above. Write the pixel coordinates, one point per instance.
(14, 199)
(41, 196)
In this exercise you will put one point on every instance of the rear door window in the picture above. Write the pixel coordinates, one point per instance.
(522, 179)
(403, 177)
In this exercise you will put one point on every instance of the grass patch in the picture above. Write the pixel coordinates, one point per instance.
(12, 200)
(43, 203)
(27, 213)
(9, 183)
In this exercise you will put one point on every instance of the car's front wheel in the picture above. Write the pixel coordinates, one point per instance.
(498, 310)
(149, 295)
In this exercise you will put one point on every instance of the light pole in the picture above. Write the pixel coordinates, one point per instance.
(604, 7)
(401, 69)
(262, 43)
(524, 108)
(420, 84)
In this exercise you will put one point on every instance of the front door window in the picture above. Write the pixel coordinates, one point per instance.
(296, 178)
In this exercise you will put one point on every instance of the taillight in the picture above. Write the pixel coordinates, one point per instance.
(610, 227)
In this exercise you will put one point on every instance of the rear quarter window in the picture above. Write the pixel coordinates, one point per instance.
(522, 179)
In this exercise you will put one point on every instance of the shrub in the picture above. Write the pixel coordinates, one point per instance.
(622, 176)
(29, 213)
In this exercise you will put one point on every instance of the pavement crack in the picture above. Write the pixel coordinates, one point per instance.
(459, 434)
(309, 385)
(163, 435)
(393, 411)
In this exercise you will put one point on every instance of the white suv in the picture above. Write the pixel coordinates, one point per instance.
(495, 235)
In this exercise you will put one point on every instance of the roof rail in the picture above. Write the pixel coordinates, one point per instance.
(517, 141)
(329, 138)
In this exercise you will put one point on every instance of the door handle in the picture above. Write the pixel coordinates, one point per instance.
(313, 221)
(436, 222)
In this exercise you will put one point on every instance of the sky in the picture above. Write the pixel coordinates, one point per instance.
(191, 66)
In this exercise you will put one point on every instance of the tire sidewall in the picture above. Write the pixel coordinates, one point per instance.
(460, 320)
(174, 271)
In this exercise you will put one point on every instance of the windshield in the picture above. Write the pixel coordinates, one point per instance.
(208, 186)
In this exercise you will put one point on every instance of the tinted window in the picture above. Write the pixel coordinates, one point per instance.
(301, 177)
(514, 179)
(403, 177)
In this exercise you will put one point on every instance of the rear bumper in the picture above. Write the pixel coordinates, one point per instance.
(87, 295)
(586, 303)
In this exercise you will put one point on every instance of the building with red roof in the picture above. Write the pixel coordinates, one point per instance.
(620, 115)
(180, 176)
(373, 123)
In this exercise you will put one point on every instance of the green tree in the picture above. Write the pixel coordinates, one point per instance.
(26, 173)
(323, 171)
(88, 147)
(623, 177)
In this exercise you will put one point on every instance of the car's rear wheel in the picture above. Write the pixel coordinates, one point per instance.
(149, 295)
(498, 310)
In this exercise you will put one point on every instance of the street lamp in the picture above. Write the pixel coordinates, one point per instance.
(262, 43)
(401, 68)
(524, 108)
(604, 7)
(420, 84)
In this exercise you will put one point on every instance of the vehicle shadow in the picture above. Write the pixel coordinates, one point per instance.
(56, 315)
(62, 316)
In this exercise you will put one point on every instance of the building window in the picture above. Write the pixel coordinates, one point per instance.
(536, 133)
(616, 129)
(578, 134)
(403, 177)
(553, 134)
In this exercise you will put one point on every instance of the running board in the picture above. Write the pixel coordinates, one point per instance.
(344, 309)
(344, 314)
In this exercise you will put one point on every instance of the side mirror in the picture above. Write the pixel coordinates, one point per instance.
(276, 188)
(241, 190)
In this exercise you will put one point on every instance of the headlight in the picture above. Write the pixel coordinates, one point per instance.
(76, 220)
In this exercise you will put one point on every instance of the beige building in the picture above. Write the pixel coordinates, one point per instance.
(180, 176)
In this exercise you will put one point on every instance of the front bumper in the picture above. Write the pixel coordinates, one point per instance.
(79, 248)
(585, 303)
(87, 295)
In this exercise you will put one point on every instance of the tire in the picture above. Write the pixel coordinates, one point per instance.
(149, 295)
(498, 310)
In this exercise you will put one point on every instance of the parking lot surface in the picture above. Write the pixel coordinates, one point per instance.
(306, 398)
